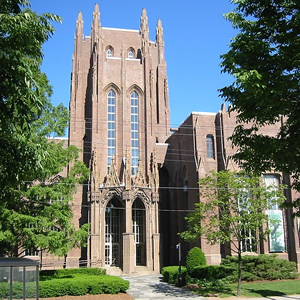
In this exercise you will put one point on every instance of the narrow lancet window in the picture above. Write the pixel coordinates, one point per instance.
(210, 146)
(111, 127)
(134, 100)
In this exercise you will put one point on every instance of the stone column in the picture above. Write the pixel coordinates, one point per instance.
(156, 259)
(128, 236)
(128, 253)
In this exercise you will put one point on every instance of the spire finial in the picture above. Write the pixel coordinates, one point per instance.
(79, 25)
(96, 15)
(159, 33)
(144, 29)
(95, 25)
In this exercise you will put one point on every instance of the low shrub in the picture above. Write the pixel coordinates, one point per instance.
(194, 259)
(69, 273)
(81, 285)
(17, 290)
(261, 267)
(170, 274)
(211, 272)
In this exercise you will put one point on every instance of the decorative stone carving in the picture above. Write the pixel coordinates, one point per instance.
(108, 194)
(140, 179)
(144, 196)
(94, 178)
(112, 178)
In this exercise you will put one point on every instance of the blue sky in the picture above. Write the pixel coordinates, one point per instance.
(195, 34)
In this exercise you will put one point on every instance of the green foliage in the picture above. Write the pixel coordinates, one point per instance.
(68, 273)
(264, 60)
(235, 206)
(194, 259)
(18, 290)
(35, 202)
(232, 209)
(211, 273)
(170, 274)
(261, 267)
(81, 284)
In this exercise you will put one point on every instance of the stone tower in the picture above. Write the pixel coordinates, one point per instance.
(119, 118)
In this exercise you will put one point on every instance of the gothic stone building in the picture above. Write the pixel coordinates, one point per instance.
(143, 179)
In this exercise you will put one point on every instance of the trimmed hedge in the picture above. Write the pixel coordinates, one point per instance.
(194, 259)
(81, 285)
(261, 267)
(170, 274)
(211, 272)
(69, 273)
(18, 290)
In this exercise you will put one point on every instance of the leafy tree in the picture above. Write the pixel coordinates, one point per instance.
(264, 59)
(35, 198)
(232, 210)
(24, 89)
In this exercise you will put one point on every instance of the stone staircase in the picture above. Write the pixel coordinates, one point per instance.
(139, 270)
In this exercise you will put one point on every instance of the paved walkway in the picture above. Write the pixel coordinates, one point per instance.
(148, 287)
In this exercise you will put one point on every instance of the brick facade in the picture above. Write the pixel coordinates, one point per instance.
(135, 215)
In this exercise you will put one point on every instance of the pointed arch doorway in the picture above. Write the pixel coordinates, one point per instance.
(113, 229)
(139, 231)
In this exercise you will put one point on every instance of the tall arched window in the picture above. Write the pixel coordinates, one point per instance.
(139, 230)
(111, 127)
(134, 100)
(112, 233)
(210, 146)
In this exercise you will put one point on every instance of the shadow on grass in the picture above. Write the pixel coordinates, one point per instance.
(264, 292)
(213, 289)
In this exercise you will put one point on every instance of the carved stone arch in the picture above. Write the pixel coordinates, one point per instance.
(112, 86)
(110, 194)
(136, 88)
(140, 194)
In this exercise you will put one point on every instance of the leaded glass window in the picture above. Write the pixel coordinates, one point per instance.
(134, 132)
(111, 127)
(210, 146)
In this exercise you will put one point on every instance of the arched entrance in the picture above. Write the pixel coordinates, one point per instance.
(139, 231)
(113, 224)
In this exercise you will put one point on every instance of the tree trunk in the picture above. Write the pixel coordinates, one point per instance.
(239, 272)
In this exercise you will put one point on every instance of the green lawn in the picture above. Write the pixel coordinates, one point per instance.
(251, 289)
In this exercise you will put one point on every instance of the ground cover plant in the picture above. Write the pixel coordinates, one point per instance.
(231, 211)
(76, 282)
(261, 267)
(275, 275)
(249, 289)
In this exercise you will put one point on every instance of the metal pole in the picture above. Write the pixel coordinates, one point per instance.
(24, 283)
(180, 281)
(10, 283)
(37, 291)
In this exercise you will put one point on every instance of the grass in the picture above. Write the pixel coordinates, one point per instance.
(250, 289)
